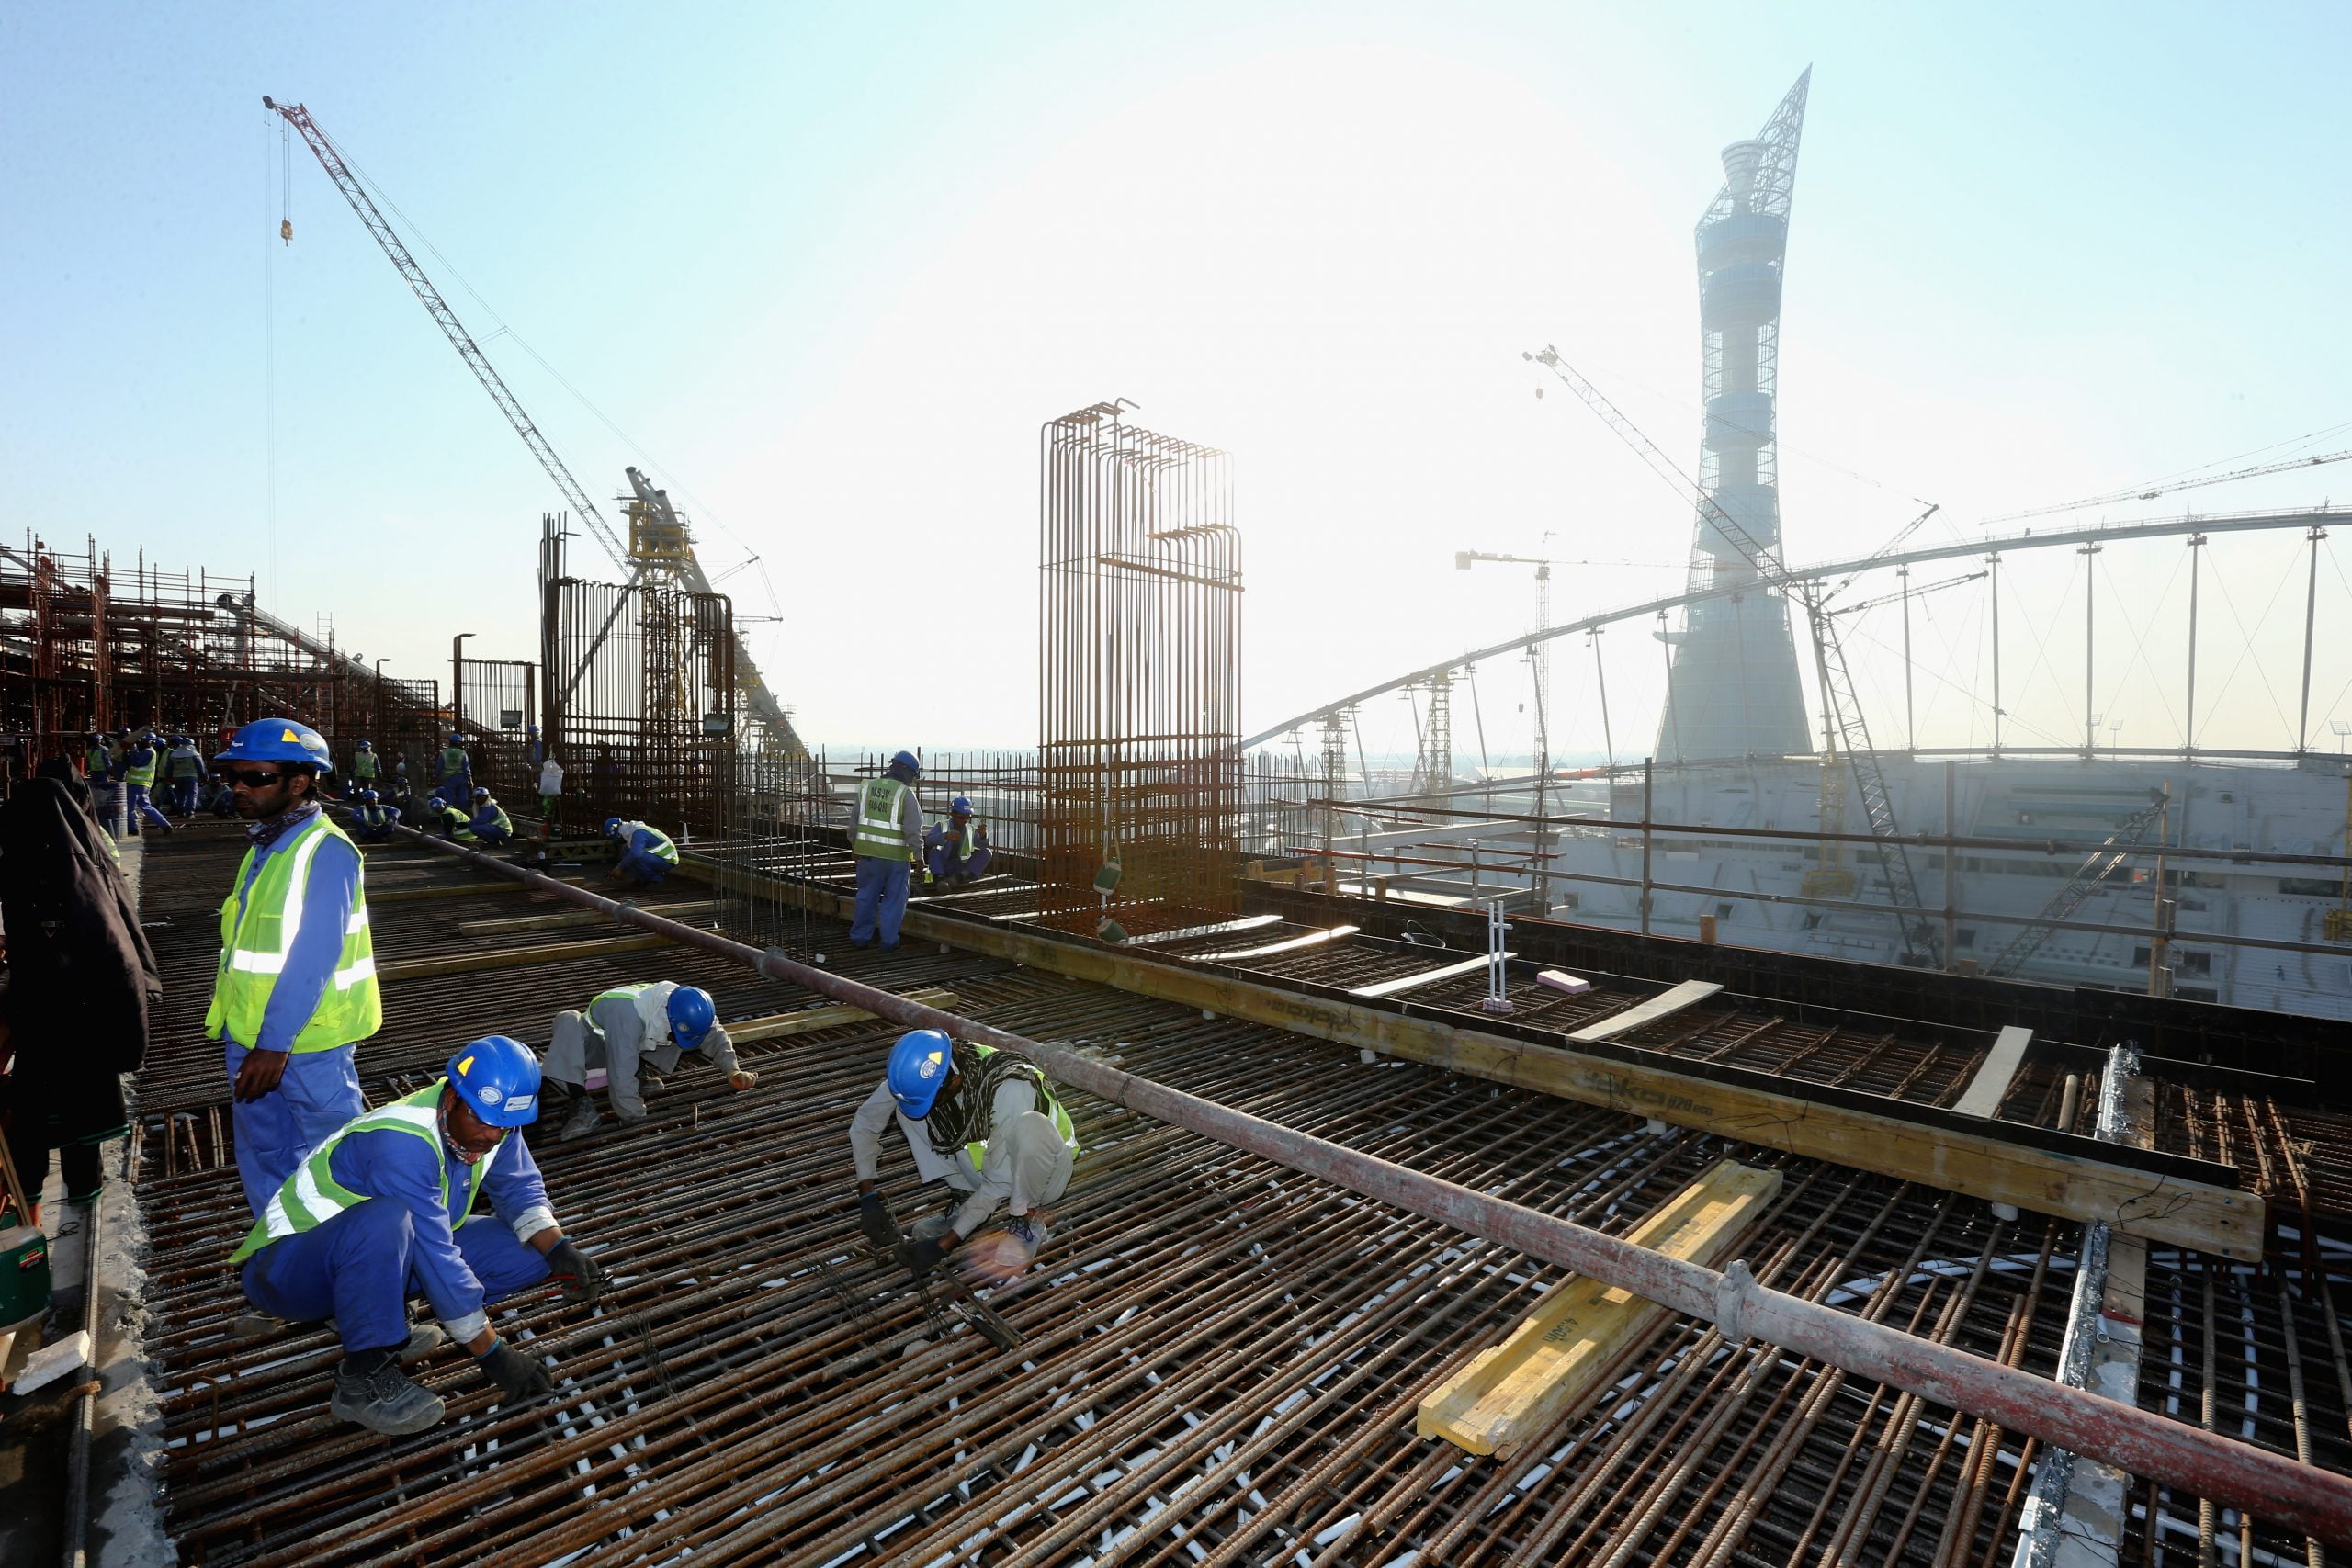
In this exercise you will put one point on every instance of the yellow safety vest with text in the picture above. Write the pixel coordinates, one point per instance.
(258, 931)
(140, 774)
(881, 814)
(311, 1197)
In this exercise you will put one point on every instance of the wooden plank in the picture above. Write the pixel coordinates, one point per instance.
(1584, 1328)
(443, 890)
(578, 917)
(2169, 1208)
(515, 957)
(1991, 1084)
(1421, 977)
(1666, 1004)
(1312, 939)
(1246, 924)
(808, 1020)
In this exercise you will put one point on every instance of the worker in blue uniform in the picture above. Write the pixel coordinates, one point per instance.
(378, 1212)
(886, 837)
(957, 850)
(491, 823)
(646, 853)
(184, 772)
(370, 822)
(453, 771)
(140, 764)
(296, 989)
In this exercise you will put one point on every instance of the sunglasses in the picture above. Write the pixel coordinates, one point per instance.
(253, 778)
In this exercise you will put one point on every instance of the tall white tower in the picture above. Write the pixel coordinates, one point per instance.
(1732, 689)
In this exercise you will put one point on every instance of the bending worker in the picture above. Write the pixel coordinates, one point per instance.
(452, 821)
(958, 849)
(296, 989)
(647, 854)
(370, 822)
(491, 823)
(886, 835)
(983, 1121)
(629, 1025)
(453, 771)
(380, 1208)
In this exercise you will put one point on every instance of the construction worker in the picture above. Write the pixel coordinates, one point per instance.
(452, 822)
(886, 835)
(629, 1024)
(491, 823)
(957, 850)
(454, 770)
(296, 989)
(380, 1208)
(185, 774)
(362, 767)
(983, 1121)
(647, 854)
(139, 767)
(94, 757)
(371, 823)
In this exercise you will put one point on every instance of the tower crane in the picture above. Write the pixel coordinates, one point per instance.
(1845, 731)
(768, 714)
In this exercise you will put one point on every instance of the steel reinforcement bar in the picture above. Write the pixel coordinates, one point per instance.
(2231, 1473)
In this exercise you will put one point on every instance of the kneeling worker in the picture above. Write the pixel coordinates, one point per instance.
(450, 822)
(381, 1209)
(984, 1120)
(629, 1023)
(957, 850)
(371, 823)
(491, 823)
(647, 854)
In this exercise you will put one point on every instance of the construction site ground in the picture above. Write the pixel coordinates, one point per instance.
(1220, 1359)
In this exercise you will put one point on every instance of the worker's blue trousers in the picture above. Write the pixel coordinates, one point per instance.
(647, 869)
(944, 863)
(459, 792)
(493, 836)
(183, 797)
(881, 900)
(319, 1092)
(355, 1270)
(140, 808)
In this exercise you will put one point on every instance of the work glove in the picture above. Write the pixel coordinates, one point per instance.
(518, 1377)
(920, 1257)
(875, 1218)
(577, 1272)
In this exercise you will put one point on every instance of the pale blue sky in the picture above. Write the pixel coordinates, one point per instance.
(832, 268)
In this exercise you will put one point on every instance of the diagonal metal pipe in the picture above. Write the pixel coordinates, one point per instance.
(2234, 1474)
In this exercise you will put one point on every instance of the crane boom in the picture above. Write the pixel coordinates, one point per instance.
(1849, 731)
(770, 713)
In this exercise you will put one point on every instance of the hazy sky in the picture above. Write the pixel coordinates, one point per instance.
(830, 269)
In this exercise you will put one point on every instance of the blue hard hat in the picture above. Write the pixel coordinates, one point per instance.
(480, 794)
(691, 1013)
(907, 759)
(363, 746)
(368, 797)
(278, 741)
(920, 1064)
(960, 806)
(612, 827)
(499, 1079)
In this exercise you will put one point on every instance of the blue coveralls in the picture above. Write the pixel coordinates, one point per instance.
(939, 850)
(491, 826)
(371, 824)
(361, 1267)
(186, 770)
(320, 1090)
(137, 805)
(640, 861)
(457, 787)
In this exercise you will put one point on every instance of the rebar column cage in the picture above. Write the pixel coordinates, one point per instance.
(498, 711)
(640, 703)
(1139, 672)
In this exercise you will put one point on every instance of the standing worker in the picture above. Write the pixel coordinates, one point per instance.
(647, 854)
(362, 767)
(886, 835)
(295, 990)
(454, 770)
(139, 766)
(958, 848)
(491, 823)
(629, 1024)
(984, 1120)
(187, 765)
(380, 1208)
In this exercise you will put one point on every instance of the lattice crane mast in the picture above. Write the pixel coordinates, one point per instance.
(1848, 732)
(765, 709)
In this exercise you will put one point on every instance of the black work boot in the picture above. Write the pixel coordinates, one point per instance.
(371, 1389)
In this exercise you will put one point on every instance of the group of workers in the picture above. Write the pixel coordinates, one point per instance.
(357, 1210)
(887, 840)
(149, 769)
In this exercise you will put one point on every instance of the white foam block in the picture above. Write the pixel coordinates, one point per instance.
(1561, 980)
(52, 1362)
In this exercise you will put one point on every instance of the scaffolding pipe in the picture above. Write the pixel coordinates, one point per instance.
(2231, 1473)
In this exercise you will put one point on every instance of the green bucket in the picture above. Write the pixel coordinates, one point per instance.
(24, 1276)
